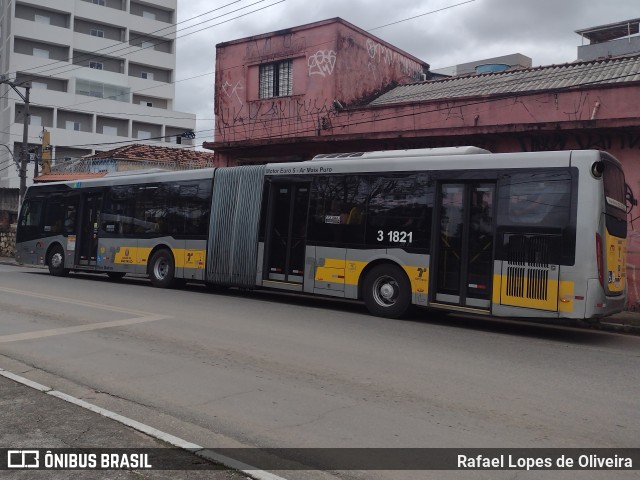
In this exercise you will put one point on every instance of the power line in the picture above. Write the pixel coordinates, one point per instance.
(135, 38)
(443, 108)
(420, 15)
(212, 73)
(390, 117)
(137, 49)
(211, 26)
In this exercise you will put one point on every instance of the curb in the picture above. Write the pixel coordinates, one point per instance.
(230, 463)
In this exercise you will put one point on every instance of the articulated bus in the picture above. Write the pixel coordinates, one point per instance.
(538, 235)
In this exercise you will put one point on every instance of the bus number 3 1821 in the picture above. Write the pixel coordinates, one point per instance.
(395, 236)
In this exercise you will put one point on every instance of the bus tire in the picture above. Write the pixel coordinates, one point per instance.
(55, 262)
(116, 275)
(162, 269)
(387, 291)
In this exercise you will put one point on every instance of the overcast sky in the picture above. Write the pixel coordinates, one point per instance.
(543, 30)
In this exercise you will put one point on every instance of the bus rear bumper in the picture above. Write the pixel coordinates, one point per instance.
(598, 305)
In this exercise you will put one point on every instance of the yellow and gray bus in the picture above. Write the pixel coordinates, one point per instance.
(540, 234)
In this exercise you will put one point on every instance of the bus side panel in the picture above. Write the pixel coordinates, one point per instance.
(194, 259)
(117, 255)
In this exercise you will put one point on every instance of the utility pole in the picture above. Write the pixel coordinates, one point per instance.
(25, 133)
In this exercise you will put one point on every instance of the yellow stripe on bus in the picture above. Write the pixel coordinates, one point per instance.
(184, 258)
(349, 272)
(615, 262)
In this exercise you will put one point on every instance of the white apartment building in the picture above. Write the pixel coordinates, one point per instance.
(101, 72)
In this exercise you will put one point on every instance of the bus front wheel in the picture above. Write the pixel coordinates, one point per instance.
(162, 269)
(387, 291)
(55, 262)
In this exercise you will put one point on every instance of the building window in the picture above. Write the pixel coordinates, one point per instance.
(149, 15)
(71, 125)
(276, 79)
(107, 130)
(96, 65)
(40, 52)
(144, 135)
(44, 19)
(144, 103)
(146, 44)
(35, 120)
(100, 2)
(38, 85)
(96, 33)
(102, 90)
(147, 75)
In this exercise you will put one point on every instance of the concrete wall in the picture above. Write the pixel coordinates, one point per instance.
(613, 48)
(8, 241)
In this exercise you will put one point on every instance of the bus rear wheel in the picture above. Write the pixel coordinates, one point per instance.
(387, 291)
(55, 262)
(162, 269)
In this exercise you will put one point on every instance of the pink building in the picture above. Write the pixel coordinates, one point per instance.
(331, 87)
(281, 87)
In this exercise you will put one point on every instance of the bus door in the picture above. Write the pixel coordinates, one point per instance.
(87, 241)
(464, 245)
(285, 243)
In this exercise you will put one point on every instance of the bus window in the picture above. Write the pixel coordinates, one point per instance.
(536, 199)
(337, 210)
(54, 215)
(615, 201)
(399, 212)
(29, 224)
(71, 216)
(118, 213)
(196, 206)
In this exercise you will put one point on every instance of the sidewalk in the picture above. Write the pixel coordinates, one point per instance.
(31, 419)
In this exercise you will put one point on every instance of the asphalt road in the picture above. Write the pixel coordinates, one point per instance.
(234, 369)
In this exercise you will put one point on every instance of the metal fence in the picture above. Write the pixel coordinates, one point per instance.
(94, 165)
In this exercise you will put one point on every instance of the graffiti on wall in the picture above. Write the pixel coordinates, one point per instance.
(231, 91)
(381, 54)
(264, 119)
(322, 62)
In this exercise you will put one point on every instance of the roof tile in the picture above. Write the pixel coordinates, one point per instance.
(597, 72)
(150, 153)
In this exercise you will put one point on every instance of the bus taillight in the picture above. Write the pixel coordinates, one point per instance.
(599, 259)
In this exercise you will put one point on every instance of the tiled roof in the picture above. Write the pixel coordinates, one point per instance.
(66, 176)
(597, 72)
(151, 153)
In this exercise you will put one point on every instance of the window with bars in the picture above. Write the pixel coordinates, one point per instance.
(276, 79)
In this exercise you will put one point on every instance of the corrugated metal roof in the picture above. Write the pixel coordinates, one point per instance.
(599, 72)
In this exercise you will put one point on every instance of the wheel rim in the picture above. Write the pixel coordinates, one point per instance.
(386, 291)
(57, 260)
(161, 269)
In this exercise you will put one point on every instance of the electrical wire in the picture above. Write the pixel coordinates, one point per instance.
(354, 123)
(135, 38)
(138, 49)
(420, 15)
